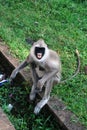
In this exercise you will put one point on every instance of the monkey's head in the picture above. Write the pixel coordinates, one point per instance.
(39, 50)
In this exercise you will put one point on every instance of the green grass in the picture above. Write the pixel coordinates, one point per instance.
(63, 26)
(22, 115)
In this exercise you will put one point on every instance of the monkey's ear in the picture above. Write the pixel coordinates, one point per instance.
(29, 41)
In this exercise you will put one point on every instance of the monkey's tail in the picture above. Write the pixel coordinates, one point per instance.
(77, 70)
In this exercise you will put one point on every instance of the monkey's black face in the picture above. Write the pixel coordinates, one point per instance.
(39, 52)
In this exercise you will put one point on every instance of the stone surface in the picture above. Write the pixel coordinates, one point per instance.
(5, 124)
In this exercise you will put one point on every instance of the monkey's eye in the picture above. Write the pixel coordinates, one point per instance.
(39, 52)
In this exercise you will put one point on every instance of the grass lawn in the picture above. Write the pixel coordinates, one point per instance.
(63, 26)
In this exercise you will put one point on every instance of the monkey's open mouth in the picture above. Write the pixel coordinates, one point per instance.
(39, 52)
(39, 55)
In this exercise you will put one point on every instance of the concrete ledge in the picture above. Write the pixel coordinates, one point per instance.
(65, 118)
(4, 122)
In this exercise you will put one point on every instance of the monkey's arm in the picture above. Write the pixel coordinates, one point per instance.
(15, 71)
(21, 66)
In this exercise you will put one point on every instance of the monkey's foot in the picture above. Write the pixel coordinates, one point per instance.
(37, 110)
(40, 105)
(32, 96)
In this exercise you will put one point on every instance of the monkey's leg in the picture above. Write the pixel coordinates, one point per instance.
(46, 97)
(57, 78)
(35, 80)
(33, 92)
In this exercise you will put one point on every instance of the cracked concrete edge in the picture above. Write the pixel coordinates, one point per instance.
(66, 119)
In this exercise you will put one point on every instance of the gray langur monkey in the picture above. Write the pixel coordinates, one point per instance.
(45, 67)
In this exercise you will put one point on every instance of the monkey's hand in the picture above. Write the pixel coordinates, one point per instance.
(39, 85)
(13, 75)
